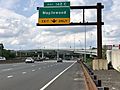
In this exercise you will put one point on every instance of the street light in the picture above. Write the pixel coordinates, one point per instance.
(80, 44)
(80, 48)
(90, 51)
(85, 46)
(58, 50)
(74, 42)
(91, 44)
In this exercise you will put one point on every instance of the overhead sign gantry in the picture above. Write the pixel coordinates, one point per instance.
(98, 23)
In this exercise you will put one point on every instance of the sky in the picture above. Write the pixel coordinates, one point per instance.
(18, 28)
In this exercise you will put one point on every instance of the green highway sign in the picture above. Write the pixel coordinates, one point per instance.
(54, 15)
(46, 4)
(57, 12)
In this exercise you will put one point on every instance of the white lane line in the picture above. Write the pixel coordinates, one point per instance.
(39, 68)
(33, 65)
(24, 72)
(44, 87)
(15, 65)
(33, 70)
(7, 69)
(10, 76)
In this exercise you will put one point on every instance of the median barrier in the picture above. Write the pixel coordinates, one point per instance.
(12, 61)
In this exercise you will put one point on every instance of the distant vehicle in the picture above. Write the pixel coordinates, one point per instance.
(60, 60)
(39, 59)
(2, 58)
(46, 58)
(68, 58)
(29, 60)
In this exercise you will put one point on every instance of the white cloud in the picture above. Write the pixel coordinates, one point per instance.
(17, 31)
(76, 2)
(111, 27)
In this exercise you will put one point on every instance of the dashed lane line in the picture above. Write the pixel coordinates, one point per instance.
(10, 76)
(24, 72)
(33, 70)
(7, 69)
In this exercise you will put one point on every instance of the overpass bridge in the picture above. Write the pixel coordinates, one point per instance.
(62, 51)
(87, 51)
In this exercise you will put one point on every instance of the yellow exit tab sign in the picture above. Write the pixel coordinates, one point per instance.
(54, 21)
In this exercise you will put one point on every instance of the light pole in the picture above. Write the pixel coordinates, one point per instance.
(74, 42)
(80, 44)
(80, 48)
(90, 51)
(58, 50)
(91, 45)
(43, 52)
(85, 46)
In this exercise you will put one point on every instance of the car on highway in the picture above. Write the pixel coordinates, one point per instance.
(60, 60)
(46, 58)
(40, 59)
(29, 60)
(2, 58)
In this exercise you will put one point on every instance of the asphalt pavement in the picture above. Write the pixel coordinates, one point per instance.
(109, 78)
(41, 76)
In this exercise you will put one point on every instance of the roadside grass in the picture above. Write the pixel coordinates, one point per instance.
(89, 62)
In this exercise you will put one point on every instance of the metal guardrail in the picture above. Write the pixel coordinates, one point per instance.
(91, 80)
(90, 85)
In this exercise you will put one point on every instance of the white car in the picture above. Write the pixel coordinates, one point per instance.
(29, 60)
(2, 58)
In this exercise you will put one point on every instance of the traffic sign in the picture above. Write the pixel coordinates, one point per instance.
(54, 21)
(54, 15)
(57, 12)
(46, 4)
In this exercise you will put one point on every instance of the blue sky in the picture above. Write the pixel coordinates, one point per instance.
(24, 7)
(18, 28)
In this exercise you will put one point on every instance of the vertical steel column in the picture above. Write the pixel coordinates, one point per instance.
(83, 15)
(42, 54)
(99, 31)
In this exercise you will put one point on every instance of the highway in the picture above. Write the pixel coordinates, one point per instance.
(41, 76)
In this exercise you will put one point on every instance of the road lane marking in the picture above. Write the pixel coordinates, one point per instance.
(44, 87)
(39, 68)
(113, 88)
(7, 69)
(24, 72)
(33, 70)
(10, 76)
